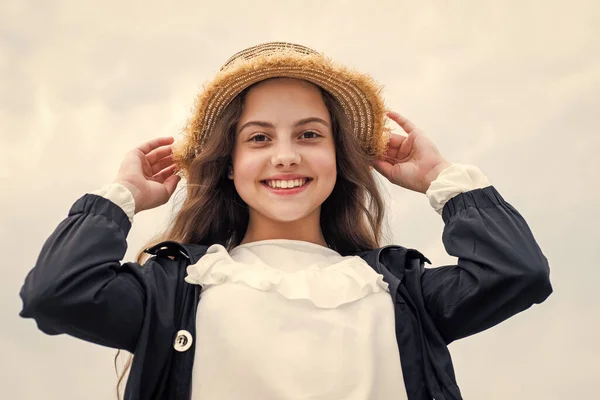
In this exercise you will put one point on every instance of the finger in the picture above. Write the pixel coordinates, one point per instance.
(171, 183)
(158, 154)
(395, 148)
(164, 174)
(396, 140)
(390, 159)
(383, 167)
(404, 123)
(162, 164)
(155, 143)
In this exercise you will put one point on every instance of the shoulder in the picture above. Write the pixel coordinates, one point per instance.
(396, 259)
(392, 253)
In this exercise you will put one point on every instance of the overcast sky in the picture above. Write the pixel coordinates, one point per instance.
(510, 86)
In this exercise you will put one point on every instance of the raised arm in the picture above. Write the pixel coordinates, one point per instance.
(500, 271)
(78, 285)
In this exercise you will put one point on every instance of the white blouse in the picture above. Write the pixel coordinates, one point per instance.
(285, 319)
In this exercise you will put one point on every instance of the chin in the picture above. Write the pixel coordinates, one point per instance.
(286, 216)
(284, 213)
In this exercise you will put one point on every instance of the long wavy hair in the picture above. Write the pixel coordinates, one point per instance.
(213, 213)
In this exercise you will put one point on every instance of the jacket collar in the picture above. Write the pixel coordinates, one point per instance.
(385, 259)
(192, 252)
(391, 262)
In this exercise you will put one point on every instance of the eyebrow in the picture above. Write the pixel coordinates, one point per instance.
(303, 121)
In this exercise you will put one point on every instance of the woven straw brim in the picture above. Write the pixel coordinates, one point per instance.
(358, 93)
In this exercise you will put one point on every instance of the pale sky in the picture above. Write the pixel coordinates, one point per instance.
(510, 86)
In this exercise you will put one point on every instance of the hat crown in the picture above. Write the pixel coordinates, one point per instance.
(267, 49)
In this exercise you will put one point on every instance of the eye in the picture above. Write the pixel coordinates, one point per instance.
(310, 135)
(258, 138)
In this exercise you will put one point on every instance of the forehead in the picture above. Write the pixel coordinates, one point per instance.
(284, 96)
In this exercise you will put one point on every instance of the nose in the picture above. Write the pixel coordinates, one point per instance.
(285, 155)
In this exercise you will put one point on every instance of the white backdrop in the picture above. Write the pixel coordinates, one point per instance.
(511, 86)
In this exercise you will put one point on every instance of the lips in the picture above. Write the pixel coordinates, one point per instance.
(286, 183)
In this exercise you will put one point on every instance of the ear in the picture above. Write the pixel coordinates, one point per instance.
(230, 172)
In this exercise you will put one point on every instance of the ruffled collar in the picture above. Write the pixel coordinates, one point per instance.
(328, 282)
(287, 243)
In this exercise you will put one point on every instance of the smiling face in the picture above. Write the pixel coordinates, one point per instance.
(284, 158)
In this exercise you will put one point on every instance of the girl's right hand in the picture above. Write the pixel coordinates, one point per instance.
(148, 172)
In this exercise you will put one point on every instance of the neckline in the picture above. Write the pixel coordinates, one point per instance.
(285, 241)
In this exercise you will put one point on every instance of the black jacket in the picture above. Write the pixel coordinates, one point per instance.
(79, 287)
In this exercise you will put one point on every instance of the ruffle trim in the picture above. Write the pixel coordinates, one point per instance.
(347, 281)
(120, 195)
(452, 181)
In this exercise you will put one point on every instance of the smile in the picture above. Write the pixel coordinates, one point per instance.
(291, 186)
(286, 184)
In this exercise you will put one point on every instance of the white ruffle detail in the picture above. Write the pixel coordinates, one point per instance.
(453, 180)
(326, 287)
(120, 195)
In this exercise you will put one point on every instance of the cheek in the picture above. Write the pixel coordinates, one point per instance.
(244, 163)
(325, 166)
(247, 168)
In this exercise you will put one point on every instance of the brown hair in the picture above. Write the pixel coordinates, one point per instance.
(213, 212)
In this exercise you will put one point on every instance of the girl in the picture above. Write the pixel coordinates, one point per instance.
(271, 282)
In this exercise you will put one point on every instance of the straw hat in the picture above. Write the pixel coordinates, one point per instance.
(358, 93)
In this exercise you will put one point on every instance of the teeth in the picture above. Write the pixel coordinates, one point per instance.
(278, 184)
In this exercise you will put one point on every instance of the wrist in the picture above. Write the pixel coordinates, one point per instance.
(135, 193)
(434, 172)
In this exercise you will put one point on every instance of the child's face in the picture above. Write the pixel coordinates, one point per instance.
(284, 134)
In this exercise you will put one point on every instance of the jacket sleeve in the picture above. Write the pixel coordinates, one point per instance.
(78, 285)
(501, 270)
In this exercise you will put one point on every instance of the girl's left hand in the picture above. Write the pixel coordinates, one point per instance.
(411, 161)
